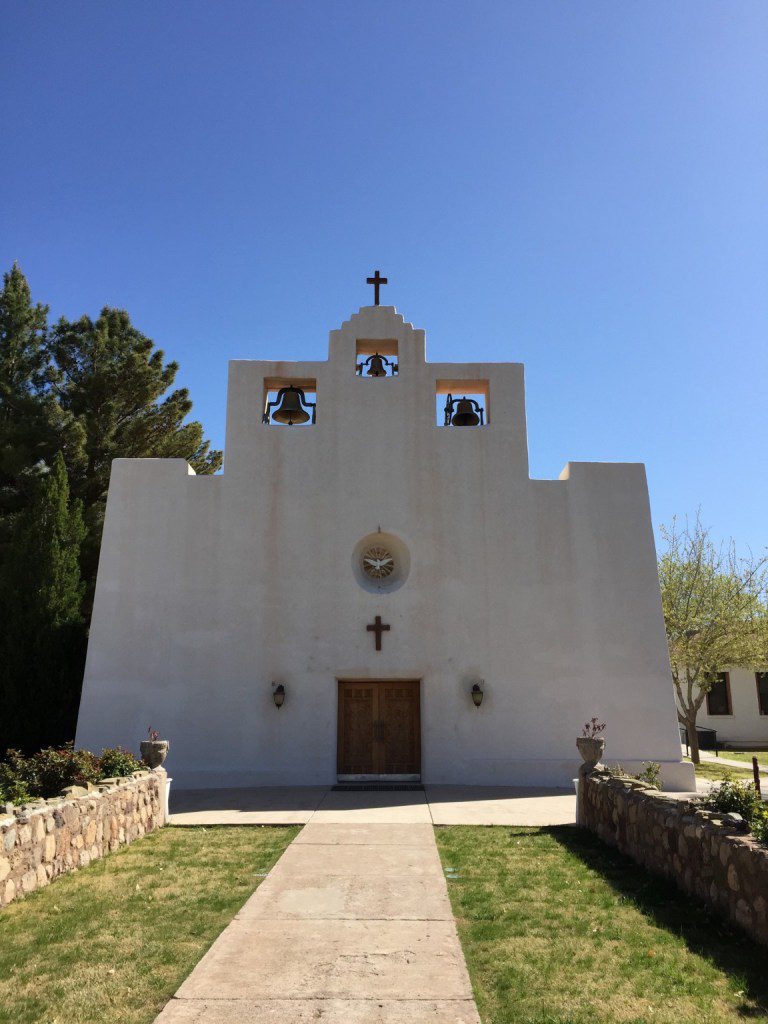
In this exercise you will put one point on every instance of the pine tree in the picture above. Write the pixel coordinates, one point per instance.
(111, 380)
(43, 638)
(72, 399)
(33, 427)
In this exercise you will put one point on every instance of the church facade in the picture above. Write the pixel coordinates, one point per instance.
(374, 588)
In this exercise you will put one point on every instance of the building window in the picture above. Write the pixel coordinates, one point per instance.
(761, 678)
(719, 697)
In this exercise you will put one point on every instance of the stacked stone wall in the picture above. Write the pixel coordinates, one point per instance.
(702, 851)
(46, 838)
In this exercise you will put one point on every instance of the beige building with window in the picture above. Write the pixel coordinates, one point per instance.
(373, 592)
(737, 708)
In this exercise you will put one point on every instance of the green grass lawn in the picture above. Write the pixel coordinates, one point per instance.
(747, 755)
(717, 772)
(113, 942)
(558, 928)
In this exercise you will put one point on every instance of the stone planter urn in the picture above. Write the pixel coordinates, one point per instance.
(591, 749)
(154, 752)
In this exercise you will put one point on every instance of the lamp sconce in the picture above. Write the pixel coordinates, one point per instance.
(477, 694)
(278, 695)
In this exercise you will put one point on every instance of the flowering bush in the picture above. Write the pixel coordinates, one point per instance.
(47, 772)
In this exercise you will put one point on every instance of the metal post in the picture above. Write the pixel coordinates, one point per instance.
(756, 773)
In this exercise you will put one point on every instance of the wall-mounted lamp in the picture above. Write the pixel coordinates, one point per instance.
(278, 695)
(477, 694)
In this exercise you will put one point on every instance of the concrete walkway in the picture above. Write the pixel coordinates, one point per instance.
(437, 805)
(353, 925)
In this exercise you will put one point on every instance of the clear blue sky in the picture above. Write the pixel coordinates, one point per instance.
(582, 187)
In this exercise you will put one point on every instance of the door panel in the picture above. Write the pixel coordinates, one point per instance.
(399, 751)
(357, 708)
(379, 728)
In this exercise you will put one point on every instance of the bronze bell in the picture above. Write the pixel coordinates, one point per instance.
(290, 411)
(376, 368)
(465, 415)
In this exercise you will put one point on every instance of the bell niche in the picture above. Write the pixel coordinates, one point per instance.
(289, 403)
(376, 359)
(462, 403)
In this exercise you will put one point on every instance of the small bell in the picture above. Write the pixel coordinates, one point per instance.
(290, 411)
(376, 368)
(465, 415)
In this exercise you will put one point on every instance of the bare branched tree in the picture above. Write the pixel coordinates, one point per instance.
(715, 613)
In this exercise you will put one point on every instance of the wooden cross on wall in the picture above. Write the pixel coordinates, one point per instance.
(378, 628)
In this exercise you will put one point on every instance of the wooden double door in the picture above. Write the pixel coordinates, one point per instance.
(379, 728)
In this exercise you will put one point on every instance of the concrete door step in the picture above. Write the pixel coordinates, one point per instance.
(378, 787)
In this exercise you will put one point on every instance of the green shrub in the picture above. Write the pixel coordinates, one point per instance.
(47, 772)
(53, 769)
(760, 825)
(115, 762)
(739, 797)
(12, 788)
(650, 775)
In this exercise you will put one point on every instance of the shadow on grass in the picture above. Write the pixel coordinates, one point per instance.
(704, 932)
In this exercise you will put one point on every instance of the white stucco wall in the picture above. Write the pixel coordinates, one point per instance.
(210, 588)
(746, 723)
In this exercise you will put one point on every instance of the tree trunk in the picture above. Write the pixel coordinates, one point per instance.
(693, 739)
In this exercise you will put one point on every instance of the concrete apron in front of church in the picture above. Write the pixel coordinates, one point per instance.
(353, 924)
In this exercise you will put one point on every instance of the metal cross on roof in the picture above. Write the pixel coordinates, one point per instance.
(376, 281)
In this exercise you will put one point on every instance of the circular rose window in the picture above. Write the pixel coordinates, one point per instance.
(378, 563)
(381, 562)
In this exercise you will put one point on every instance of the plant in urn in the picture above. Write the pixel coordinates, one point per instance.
(591, 744)
(153, 750)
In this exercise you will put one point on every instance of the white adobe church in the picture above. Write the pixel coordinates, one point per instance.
(418, 606)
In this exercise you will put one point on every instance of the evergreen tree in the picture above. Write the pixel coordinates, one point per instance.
(72, 399)
(32, 424)
(42, 642)
(112, 379)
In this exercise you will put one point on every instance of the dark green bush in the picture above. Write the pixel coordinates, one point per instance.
(115, 762)
(760, 826)
(739, 797)
(47, 772)
(743, 798)
(12, 789)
